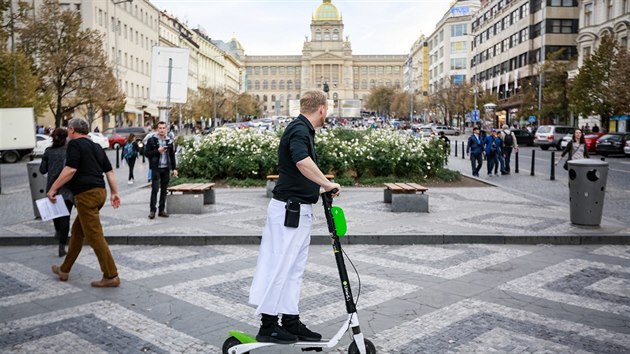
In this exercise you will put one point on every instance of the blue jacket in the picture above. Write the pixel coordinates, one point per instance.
(475, 145)
(488, 145)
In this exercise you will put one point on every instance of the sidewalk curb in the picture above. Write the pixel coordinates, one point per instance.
(354, 239)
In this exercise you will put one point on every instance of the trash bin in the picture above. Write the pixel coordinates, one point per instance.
(37, 182)
(587, 188)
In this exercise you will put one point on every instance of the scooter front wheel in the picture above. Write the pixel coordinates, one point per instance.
(369, 348)
(229, 343)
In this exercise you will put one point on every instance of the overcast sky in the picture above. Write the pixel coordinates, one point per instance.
(269, 27)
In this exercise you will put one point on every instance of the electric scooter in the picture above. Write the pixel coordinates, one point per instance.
(242, 343)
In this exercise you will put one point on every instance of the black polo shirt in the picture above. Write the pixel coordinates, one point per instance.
(296, 144)
(90, 161)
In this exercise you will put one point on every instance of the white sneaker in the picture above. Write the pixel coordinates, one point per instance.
(130, 181)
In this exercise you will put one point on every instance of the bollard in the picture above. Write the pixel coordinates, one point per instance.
(516, 162)
(553, 166)
(463, 153)
(533, 162)
(455, 148)
(117, 156)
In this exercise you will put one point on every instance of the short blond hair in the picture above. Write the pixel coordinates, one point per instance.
(311, 100)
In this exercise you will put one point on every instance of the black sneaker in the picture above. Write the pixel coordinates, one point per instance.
(293, 325)
(275, 334)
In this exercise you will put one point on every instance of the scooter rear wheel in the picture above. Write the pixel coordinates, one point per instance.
(369, 348)
(229, 343)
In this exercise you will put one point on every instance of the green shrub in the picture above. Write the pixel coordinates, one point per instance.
(350, 154)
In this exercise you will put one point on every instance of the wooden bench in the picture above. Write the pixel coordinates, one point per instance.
(192, 198)
(404, 197)
(272, 179)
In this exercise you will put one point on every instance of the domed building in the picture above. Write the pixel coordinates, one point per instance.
(279, 81)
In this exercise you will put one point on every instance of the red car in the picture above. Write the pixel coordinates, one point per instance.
(591, 141)
(116, 140)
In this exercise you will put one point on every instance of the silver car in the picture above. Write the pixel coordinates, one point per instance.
(446, 129)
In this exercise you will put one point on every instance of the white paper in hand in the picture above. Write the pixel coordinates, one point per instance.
(49, 210)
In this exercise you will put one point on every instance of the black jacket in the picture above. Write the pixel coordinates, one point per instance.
(153, 154)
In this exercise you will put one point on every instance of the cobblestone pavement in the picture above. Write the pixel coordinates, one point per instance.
(457, 298)
(616, 202)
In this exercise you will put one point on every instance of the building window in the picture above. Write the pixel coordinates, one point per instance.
(335, 35)
(273, 85)
(257, 85)
(458, 63)
(562, 3)
(587, 53)
(535, 32)
(458, 30)
(256, 70)
(289, 85)
(458, 47)
(609, 10)
(326, 35)
(265, 70)
(588, 12)
(273, 70)
(562, 26)
(281, 70)
(249, 84)
(364, 85)
(318, 35)
(265, 85)
(281, 84)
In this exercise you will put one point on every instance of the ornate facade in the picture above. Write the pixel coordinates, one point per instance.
(326, 58)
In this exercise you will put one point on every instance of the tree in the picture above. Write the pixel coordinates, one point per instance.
(380, 99)
(71, 62)
(18, 84)
(619, 83)
(591, 88)
(555, 95)
(401, 104)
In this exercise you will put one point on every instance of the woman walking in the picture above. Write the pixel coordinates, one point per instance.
(53, 162)
(576, 149)
(130, 153)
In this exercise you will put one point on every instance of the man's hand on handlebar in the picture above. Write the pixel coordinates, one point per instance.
(332, 186)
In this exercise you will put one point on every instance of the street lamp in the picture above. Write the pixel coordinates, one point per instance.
(216, 91)
(116, 57)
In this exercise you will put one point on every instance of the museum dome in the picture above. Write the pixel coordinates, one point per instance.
(327, 12)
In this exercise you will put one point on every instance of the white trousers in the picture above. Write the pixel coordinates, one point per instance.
(281, 262)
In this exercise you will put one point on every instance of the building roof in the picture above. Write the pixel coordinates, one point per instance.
(327, 12)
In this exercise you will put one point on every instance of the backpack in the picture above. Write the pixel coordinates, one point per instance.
(128, 151)
(509, 140)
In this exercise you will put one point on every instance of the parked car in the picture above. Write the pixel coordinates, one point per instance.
(551, 136)
(626, 149)
(590, 140)
(446, 129)
(42, 142)
(116, 140)
(139, 132)
(523, 137)
(100, 139)
(612, 143)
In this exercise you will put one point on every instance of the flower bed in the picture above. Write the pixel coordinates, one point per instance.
(362, 153)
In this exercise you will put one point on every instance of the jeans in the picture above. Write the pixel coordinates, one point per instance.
(62, 224)
(500, 161)
(476, 161)
(159, 181)
(492, 161)
(507, 151)
(131, 162)
(87, 226)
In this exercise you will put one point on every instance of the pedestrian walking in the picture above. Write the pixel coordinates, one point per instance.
(492, 147)
(500, 156)
(575, 149)
(474, 148)
(83, 173)
(509, 144)
(160, 151)
(53, 162)
(286, 236)
(130, 153)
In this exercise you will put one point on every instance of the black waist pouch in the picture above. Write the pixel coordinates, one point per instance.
(292, 213)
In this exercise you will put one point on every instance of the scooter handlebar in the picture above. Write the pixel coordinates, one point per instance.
(328, 196)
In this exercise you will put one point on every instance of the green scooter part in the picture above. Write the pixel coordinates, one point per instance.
(243, 337)
(339, 219)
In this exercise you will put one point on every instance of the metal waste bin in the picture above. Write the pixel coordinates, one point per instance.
(587, 188)
(37, 182)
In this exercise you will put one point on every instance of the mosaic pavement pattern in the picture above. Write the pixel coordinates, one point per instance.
(593, 285)
(20, 284)
(472, 326)
(448, 262)
(98, 327)
(390, 281)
